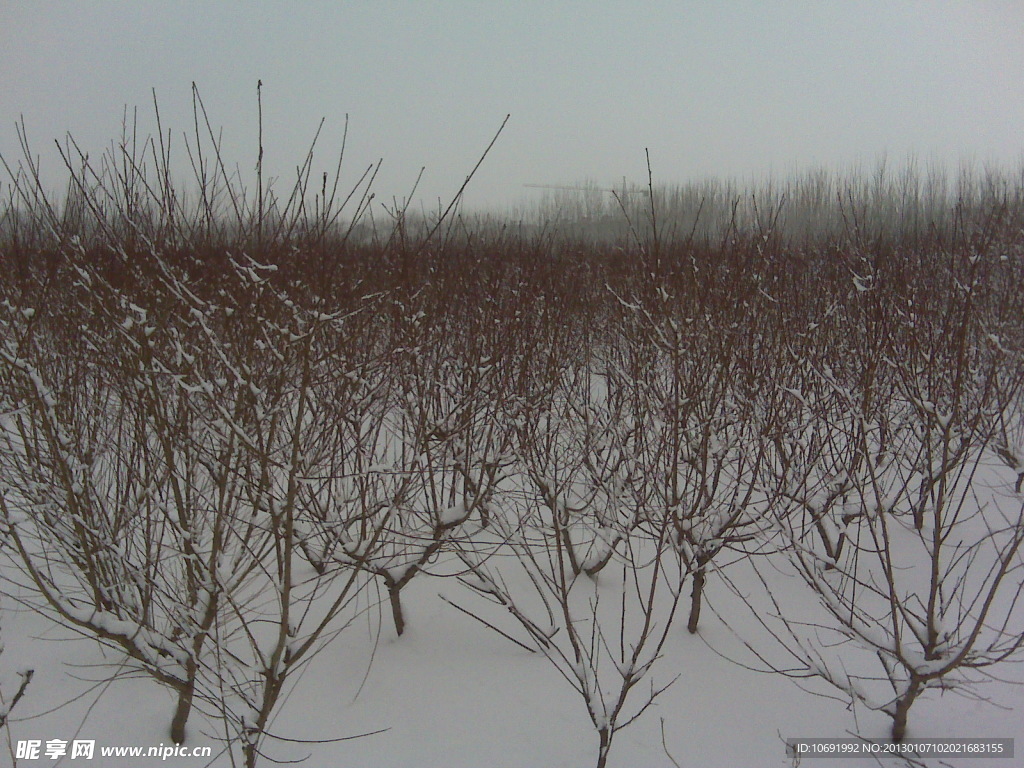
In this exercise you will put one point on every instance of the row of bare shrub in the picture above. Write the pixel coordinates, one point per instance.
(226, 427)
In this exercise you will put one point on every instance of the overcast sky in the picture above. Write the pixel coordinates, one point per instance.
(729, 88)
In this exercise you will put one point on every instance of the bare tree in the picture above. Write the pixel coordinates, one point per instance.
(705, 450)
(914, 563)
(426, 453)
(601, 600)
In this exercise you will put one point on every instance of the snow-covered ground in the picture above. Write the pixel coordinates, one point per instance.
(451, 693)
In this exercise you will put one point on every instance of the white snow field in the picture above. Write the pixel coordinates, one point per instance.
(451, 693)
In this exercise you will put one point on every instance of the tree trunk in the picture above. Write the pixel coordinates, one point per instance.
(604, 747)
(899, 715)
(395, 596)
(182, 711)
(899, 721)
(697, 594)
(250, 754)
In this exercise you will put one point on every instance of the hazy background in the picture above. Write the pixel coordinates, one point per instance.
(734, 88)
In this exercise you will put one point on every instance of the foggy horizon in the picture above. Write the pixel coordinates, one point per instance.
(735, 91)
